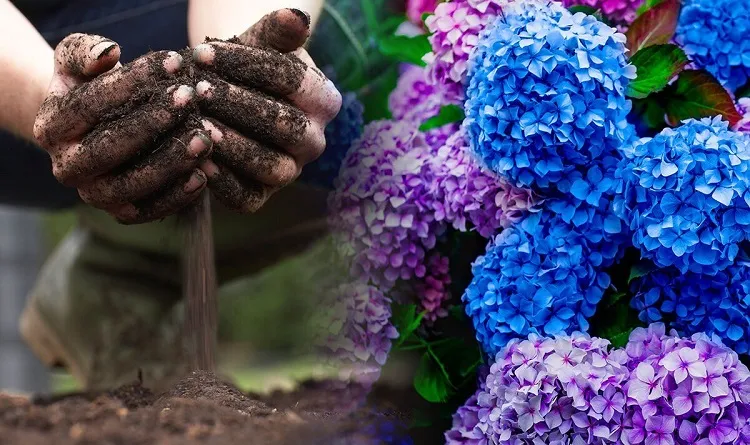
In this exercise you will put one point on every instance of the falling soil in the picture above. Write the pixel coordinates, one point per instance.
(199, 410)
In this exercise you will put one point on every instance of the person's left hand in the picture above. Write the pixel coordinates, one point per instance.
(266, 106)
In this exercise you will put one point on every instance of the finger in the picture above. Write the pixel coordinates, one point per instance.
(283, 30)
(65, 118)
(82, 56)
(263, 119)
(238, 194)
(249, 158)
(114, 143)
(185, 191)
(173, 159)
(275, 73)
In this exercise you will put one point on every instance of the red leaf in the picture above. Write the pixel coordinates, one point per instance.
(697, 94)
(656, 26)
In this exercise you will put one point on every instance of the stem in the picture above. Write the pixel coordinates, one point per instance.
(199, 291)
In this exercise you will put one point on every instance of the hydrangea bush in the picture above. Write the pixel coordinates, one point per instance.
(508, 172)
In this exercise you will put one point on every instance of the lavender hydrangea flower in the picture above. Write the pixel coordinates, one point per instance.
(340, 135)
(713, 34)
(433, 290)
(542, 276)
(714, 304)
(415, 98)
(620, 11)
(659, 389)
(743, 106)
(455, 27)
(686, 195)
(684, 390)
(546, 93)
(471, 194)
(381, 210)
(355, 331)
(562, 390)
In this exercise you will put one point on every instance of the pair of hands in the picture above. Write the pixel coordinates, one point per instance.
(263, 107)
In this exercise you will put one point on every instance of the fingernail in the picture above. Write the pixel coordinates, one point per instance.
(302, 15)
(204, 54)
(198, 144)
(204, 89)
(215, 133)
(195, 182)
(183, 95)
(102, 49)
(173, 62)
(210, 168)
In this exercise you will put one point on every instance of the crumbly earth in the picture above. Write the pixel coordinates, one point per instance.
(200, 409)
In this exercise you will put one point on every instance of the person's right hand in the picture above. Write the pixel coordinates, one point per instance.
(103, 162)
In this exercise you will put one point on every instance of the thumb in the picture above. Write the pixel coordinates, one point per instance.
(79, 57)
(284, 30)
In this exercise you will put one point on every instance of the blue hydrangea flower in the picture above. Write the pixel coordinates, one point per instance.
(715, 304)
(686, 196)
(340, 134)
(713, 33)
(544, 276)
(546, 93)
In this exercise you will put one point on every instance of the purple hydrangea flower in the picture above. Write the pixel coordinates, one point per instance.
(558, 390)
(355, 331)
(455, 27)
(659, 389)
(713, 34)
(546, 93)
(433, 290)
(473, 195)
(620, 11)
(743, 106)
(415, 98)
(381, 211)
(686, 195)
(714, 304)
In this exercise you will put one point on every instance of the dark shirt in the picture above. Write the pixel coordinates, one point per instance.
(34, 7)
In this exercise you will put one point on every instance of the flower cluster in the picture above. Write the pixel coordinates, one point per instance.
(715, 304)
(661, 389)
(713, 34)
(455, 28)
(546, 93)
(542, 276)
(356, 331)
(382, 208)
(686, 195)
(433, 290)
(619, 11)
(340, 135)
(472, 194)
(417, 99)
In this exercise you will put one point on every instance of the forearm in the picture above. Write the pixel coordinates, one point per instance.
(226, 18)
(26, 67)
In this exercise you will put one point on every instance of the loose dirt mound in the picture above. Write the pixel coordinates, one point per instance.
(198, 410)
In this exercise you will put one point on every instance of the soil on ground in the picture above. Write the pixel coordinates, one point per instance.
(202, 409)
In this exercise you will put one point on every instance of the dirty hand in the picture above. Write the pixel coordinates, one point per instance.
(105, 162)
(266, 106)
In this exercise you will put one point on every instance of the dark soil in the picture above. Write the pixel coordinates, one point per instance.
(201, 410)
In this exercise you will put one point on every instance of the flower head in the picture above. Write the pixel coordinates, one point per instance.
(686, 195)
(546, 93)
(620, 11)
(417, 99)
(472, 195)
(713, 34)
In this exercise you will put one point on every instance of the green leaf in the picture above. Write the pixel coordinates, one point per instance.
(648, 4)
(697, 94)
(374, 95)
(389, 26)
(431, 382)
(621, 339)
(458, 358)
(743, 91)
(406, 320)
(656, 65)
(656, 26)
(448, 114)
(406, 49)
(651, 111)
(640, 269)
(613, 299)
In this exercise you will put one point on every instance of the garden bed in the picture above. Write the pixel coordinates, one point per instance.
(200, 409)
